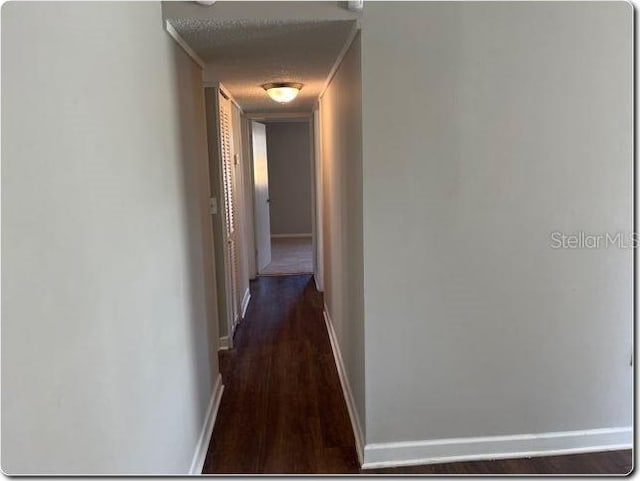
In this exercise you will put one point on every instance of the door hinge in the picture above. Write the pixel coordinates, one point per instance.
(213, 205)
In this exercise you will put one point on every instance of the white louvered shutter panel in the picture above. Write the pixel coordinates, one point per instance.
(226, 146)
(227, 163)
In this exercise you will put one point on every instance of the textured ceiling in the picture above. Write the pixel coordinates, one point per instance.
(245, 54)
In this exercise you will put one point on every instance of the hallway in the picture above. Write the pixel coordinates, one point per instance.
(282, 409)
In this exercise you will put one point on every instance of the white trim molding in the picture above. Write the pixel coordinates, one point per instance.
(173, 33)
(378, 455)
(291, 236)
(245, 302)
(224, 343)
(344, 382)
(215, 84)
(336, 65)
(317, 284)
(275, 116)
(207, 428)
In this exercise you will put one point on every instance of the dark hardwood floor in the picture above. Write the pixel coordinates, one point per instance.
(283, 412)
(612, 462)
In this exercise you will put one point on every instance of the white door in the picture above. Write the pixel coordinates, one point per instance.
(261, 186)
(318, 271)
(226, 146)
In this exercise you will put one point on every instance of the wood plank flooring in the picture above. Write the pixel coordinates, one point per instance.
(283, 412)
(612, 462)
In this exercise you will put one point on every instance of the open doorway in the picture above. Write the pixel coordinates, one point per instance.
(283, 200)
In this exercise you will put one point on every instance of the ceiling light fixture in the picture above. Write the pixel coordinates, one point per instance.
(283, 92)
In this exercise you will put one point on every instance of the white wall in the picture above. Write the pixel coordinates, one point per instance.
(510, 120)
(341, 118)
(108, 313)
(288, 155)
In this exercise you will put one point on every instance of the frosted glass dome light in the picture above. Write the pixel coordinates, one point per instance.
(283, 92)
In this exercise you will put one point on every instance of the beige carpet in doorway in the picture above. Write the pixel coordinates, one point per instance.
(290, 255)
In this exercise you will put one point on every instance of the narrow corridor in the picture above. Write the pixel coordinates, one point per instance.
(283, 410)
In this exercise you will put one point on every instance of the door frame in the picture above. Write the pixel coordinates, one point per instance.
(316, 169)
(249, 197)
(315, 187)
(218, 193)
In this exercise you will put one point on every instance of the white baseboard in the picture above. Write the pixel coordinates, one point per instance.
(379, 455)
(245, 302)
(207, 428)
(346, 388)
(224, 343)
(283, 236)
